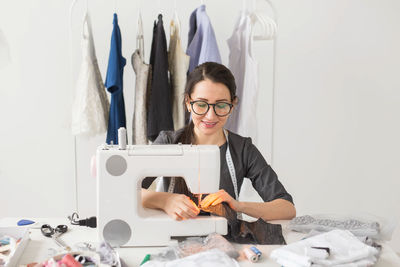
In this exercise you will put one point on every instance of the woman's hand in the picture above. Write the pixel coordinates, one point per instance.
(180, 207)
(218, 197)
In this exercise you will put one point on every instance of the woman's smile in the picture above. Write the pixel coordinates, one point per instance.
(208, 124)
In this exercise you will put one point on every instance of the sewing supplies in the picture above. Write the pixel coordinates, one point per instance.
(146, 259)
(13, 241)
(30, 224)
(54, 233)
(7, 249)
(81, 259)
(250, 255)
(122, 138)
(24, 222)
(108, 255)
(255, 250)
(69, 260)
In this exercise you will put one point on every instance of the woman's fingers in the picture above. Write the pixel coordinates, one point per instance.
(176, 217)
(194, 206)
(188, 209)
(181, 207)
(217, 198)
(209, 200)
(216, 202)
(183, 215)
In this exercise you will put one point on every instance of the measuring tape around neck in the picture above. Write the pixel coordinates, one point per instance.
(232, 171)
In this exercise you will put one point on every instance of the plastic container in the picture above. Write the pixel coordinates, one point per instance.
(17, 233)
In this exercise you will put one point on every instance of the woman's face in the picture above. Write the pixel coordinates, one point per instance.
(212, 93)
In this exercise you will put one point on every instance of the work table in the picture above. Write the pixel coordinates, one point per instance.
(38, 247)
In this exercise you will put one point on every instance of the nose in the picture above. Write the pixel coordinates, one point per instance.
(210, 113)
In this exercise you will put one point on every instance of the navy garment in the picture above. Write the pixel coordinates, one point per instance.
(159, 116)
(114, 84)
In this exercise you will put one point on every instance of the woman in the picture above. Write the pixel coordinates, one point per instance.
(210, 97)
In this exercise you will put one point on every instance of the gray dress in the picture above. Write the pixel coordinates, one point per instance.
(139, 123)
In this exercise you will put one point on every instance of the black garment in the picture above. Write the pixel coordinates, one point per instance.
(248, 163)
(243, 232)
(159, 116)
(193, 28)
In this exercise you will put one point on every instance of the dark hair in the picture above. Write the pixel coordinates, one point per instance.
(214, 72)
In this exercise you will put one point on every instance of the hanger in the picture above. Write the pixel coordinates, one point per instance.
(139, 35)
(159, 7)
(140, 9)
(176, 19)
(268, 25)
(140, 20)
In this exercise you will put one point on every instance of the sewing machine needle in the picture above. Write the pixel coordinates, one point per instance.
(199, 200)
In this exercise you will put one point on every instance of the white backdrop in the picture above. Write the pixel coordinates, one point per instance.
(336, 104)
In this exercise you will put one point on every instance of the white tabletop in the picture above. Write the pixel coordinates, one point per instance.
(38, 247)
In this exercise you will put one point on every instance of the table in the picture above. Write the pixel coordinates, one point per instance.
(38, 247)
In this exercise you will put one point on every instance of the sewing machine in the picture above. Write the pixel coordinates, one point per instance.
(121, 218)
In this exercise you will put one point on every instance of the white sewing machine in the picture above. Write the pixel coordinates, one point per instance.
(121, 218)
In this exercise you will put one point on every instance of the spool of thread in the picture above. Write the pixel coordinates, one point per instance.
(255, 250)
(122, 138)
(81, 259)
(69, 261)
(250, 255)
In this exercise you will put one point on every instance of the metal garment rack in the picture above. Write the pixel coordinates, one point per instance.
(274, 17)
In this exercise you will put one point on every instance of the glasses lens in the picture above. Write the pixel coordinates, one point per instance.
(222, 109)
(200, 107)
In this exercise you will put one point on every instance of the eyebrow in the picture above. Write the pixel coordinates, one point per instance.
(218, 100)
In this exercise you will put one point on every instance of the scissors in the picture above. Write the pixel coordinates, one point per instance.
(54, 233)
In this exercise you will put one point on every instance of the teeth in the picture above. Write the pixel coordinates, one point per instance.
(209, 123)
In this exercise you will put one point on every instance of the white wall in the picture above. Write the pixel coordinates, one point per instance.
(337, 100)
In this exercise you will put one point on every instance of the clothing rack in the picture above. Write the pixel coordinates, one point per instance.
(274, 17)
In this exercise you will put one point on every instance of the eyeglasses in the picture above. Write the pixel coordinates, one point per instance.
(221, 109)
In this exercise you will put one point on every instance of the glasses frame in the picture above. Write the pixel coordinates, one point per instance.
(208, 107)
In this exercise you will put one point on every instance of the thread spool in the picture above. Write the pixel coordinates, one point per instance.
(81, 259)
(69, 261)
(122, 138)
(250, 255)
(256, 251)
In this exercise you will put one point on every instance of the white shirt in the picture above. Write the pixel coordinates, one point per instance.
(245, 70)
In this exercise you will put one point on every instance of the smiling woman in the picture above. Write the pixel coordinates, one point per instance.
(208, 122)
(210, 97)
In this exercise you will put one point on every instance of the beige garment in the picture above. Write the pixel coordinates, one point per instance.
(139, 123)
(91, 105)
(178, 63)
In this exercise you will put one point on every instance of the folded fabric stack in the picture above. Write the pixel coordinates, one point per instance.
(334, 248)
(322, 223)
